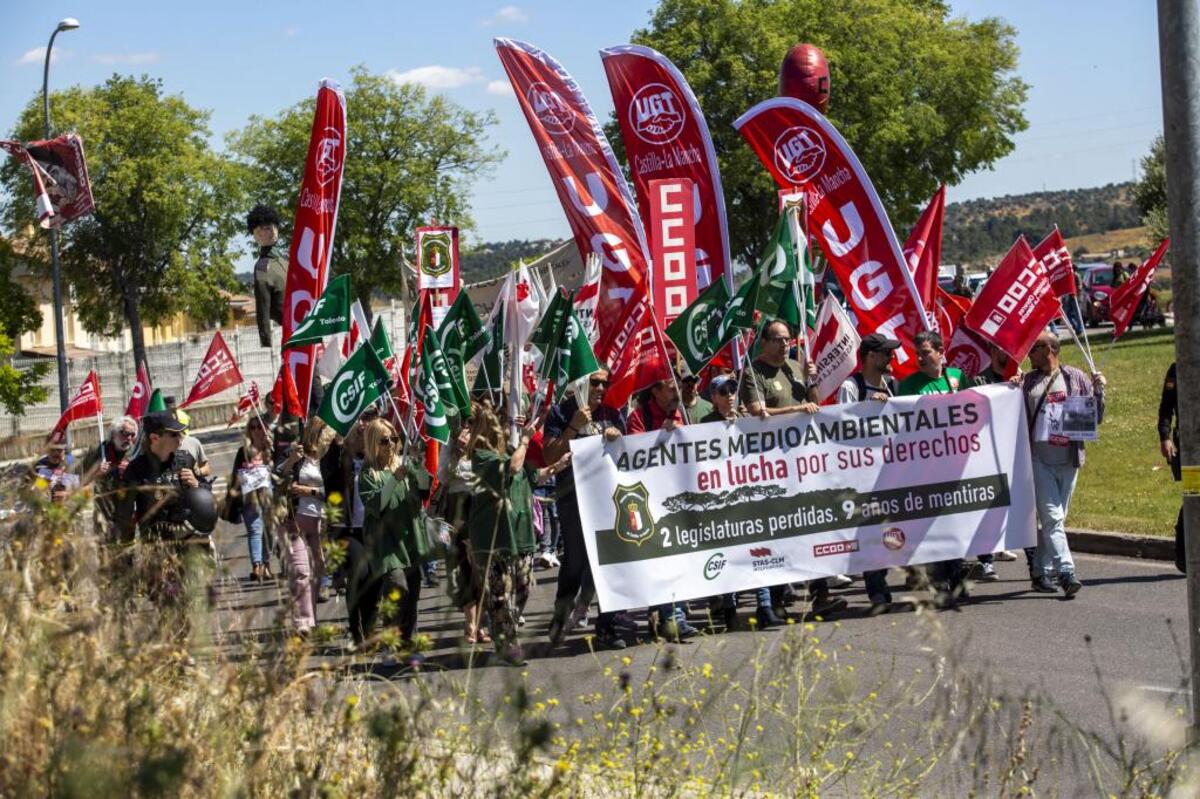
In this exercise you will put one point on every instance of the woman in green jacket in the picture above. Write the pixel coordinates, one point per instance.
(501, 527)
(389, 561)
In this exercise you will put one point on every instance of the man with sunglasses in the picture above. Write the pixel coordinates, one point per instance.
(567, 421)
(774, 385)
(104, 468)
(154, 483)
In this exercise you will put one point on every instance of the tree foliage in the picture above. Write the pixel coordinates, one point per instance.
(922, 97)
(1150, 192)
(157, 243)
(410, 158)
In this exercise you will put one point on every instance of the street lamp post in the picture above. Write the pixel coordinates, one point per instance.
(60, 339)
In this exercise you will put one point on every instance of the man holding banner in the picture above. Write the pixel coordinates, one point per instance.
(1064, 408)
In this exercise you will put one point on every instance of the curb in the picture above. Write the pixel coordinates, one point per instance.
(1125, 545)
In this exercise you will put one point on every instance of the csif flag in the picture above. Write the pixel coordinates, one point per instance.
(1015, 304)
(697, 333)
(461, 334)
(313, 229)
(139, 398)
(449, 376)
(362, 380)
(573, 360)
(383, 345)
(1124, 300)
(491, 362)
(1056, 260)
(218, 371)
(84, 405)
(804, 152)
(427, 392)
(834, 348)
(329, 316)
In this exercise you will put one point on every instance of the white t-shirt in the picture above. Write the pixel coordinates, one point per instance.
(310, 475)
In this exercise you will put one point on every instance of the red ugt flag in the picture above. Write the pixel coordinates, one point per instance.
(139, 398)
(1056, 259)
(1015, 304)
(1124, 301)
(218, 372)
(85, 404)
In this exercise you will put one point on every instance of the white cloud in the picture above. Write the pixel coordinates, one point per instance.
(501, 88)
(38, 56)
(437, 77)
(132, 59)
(505, 15)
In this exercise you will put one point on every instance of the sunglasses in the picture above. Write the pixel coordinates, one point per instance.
(598, 383)
(726, 391)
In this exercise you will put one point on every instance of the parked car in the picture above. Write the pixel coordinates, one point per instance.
(1094, 292)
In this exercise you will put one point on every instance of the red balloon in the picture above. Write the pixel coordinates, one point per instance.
(804, 75)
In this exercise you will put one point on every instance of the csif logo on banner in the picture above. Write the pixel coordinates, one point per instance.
(713, 566)
(349, 396)
(799, 153)
(1028, 280)
(656, 115)
(551, 109)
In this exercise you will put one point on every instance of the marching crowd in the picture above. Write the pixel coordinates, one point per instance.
(356, 514)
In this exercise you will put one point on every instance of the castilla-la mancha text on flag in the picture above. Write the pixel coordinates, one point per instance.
(594, 195)
(313, 229)
(666, 137)
(733, 506)
(1015, 304)
(1123, 302)
(804, 152)
(218, 371)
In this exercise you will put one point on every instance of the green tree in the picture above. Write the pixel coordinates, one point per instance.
(19, 388)
(157, 243)
(922, 97)
(1150, 193)
(410, 159)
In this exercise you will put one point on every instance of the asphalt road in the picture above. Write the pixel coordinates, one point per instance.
(1114, 652)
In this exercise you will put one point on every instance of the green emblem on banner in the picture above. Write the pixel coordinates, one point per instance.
(435, 254)
(634, 522)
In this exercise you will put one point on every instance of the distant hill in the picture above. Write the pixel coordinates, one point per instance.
(492, 258)
(979, 231)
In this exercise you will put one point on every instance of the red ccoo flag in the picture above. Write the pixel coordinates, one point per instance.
(1124, 300)
(284, 394)
(86, 403)
(139, 398)
(1015, 304)
(217, 372)
(1056, 259)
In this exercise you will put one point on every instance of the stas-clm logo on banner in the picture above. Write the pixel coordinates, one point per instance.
(329, 156)
(799, 153)
(634, 522)
(656, 115)
(549, 107)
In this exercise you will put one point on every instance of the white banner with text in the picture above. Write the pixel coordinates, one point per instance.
(730, 506)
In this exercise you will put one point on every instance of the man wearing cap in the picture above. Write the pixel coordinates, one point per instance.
(873, 382)
(697, 407)
(270, 270)
(152, 500)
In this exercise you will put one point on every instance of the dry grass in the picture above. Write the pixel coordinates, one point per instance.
(1128, 240)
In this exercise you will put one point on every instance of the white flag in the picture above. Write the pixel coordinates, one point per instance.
(587, 296)
(834, 347)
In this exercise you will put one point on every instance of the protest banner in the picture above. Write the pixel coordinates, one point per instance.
(673, 247)
(730, 506)
(834, 348)
(594, 195)
(666, 137)
(64, 171)
(313, 229)
(438, 268)
(804, 152)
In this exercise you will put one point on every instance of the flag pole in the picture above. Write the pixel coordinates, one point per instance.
(254, 406)
(1082, 326)
(1087, 355)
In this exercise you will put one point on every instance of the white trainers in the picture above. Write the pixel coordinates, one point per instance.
(838, 581)
(1005, 554)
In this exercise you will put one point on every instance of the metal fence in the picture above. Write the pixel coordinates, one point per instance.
(172, 368)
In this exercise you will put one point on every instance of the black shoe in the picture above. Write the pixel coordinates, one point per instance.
(609, 639)
(1043, 585)
(824, 605)
(1070, 585)
(558, 625)
(766, 618)
(880, 605)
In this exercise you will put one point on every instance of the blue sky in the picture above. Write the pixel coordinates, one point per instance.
(1094, 104)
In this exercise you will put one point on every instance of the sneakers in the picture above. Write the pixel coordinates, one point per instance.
(880, 605)
(838, 581)
(674, 630)
(1070, 585)
(766, 618)
(1043, 585)
(987, 573)
(1005, 554)
(547, 560)
(609, 639)
(823, 605)
(579, 617)
(621, 620)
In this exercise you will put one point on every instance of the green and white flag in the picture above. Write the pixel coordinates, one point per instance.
(574, 358)
(329, 316)
(461, 334)
(549, 332)
(490, 377)
(428, 393)
(381, 343)
(361, 380)
(787, 280)
(695, 331)
(451, 383)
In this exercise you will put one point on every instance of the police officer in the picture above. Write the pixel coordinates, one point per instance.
(164, 498)
(270, 270)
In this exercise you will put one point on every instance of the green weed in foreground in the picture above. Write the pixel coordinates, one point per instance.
(100, 696)
(1126, 485)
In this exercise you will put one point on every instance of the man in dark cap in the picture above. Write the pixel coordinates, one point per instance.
(155, 483)
(270, 271)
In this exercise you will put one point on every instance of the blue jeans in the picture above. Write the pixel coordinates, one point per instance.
(254, 533)
(1054, 486)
